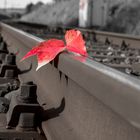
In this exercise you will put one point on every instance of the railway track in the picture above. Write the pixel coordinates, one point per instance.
(121, 52)
(80, 100)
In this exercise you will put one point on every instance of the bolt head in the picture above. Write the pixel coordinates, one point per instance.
(28, 90)
(10, 59)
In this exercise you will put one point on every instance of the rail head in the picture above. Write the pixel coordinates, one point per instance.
(118, 91)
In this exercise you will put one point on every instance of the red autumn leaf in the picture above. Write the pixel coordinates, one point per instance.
(75, 42)
(32, 52)
(46, 51)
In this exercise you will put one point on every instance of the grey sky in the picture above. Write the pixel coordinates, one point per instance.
(18, 3)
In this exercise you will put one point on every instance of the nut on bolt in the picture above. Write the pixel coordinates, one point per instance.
(10, 59)
(28, 92)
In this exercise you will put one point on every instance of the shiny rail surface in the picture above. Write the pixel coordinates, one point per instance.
(85, 100)
(118, 51)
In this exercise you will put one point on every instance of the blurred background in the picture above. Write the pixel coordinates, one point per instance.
(121, 16)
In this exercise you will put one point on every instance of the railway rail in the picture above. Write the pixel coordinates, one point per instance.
(118, 51)
(81, 100)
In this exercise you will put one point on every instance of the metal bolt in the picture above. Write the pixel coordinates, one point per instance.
(3, 46)
(10, 59)
(28, 92)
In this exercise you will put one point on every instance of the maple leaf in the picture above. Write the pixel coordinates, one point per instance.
(75, 42)
(46, 51)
